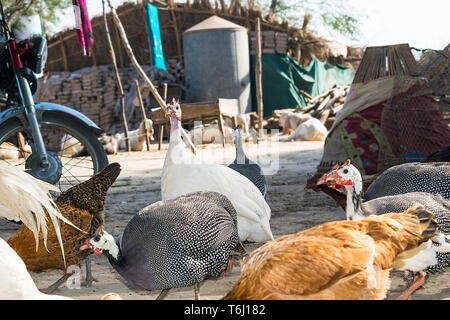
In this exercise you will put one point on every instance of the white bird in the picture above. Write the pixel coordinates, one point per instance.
(15, 281)
(27, 199)
(183, 172)
(138, 141)
(309, 130)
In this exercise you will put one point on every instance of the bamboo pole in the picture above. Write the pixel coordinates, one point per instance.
(258, 78)
(141, 72)
(144, 116)
(119, 82)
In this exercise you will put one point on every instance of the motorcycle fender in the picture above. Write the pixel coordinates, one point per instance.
(47, 107)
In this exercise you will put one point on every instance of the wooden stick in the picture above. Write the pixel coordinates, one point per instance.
(141, 72)
(144, 117)
(161, 127)
(306, 94)
(119, 82)
(64, 56)
(177, 33)
(43, 85)
(258, 77)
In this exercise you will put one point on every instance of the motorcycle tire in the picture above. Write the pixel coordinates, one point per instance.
(93, 161)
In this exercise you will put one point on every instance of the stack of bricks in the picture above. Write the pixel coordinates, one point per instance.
(94, 92)
(271, 42)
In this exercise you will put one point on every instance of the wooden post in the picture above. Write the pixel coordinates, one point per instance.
(161, 127)
(43, 85)
(63, 53)
(144, 11)
(119, 82)
(258, 77)
(141, 72)
(117, 40)
(94, 60)
(177, 33)
(144, 117)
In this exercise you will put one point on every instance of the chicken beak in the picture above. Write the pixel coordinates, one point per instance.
(86, 245)
(322, 179)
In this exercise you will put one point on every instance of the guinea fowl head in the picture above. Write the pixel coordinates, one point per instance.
(174, 110)
(100, 242)
(343, 178)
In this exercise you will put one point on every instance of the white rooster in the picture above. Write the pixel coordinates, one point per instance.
(27, 199)
(183, 173)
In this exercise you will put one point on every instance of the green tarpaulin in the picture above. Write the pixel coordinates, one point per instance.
(282, 78)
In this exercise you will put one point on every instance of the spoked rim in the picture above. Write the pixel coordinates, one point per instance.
(76, 166)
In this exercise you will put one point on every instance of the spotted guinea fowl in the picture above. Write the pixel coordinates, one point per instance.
(430, 177)
(246, 167)
(175, 243)
(184, 172)
(432, 256)
(83, 205)
(439, 156)
(338, 260)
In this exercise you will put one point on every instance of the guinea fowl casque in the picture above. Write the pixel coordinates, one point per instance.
(338, 260)
(246, 167)
(183, 172)
(83, 205)
(432, 256)
(175, 243)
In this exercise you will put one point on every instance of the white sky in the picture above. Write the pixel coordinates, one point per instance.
(422, 24)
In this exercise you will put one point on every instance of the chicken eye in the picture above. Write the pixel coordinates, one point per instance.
(97, 238)
(345, 171)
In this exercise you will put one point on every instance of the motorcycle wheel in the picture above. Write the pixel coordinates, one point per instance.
(71, 161)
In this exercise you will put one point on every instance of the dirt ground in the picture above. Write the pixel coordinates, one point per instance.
(293, 210)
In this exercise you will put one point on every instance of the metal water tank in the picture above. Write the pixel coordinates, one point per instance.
(216, 62)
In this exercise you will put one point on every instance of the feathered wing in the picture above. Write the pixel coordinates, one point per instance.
(253, 211)
(297, 266)
(15, 281)
(331, 255)
(27, 199)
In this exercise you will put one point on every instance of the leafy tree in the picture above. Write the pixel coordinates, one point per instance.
(336, 15)
(48, 9)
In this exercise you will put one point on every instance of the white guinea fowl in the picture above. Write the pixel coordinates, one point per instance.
(183, 172)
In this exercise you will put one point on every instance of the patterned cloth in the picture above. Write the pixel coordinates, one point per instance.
(406, 128)
(85, 35)
(362, 137)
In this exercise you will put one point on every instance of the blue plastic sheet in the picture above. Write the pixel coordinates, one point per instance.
(155, 37)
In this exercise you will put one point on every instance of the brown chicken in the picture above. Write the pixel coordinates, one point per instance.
(339, 260)
(82, 205)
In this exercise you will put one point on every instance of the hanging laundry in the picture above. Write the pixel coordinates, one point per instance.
(83, 25)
